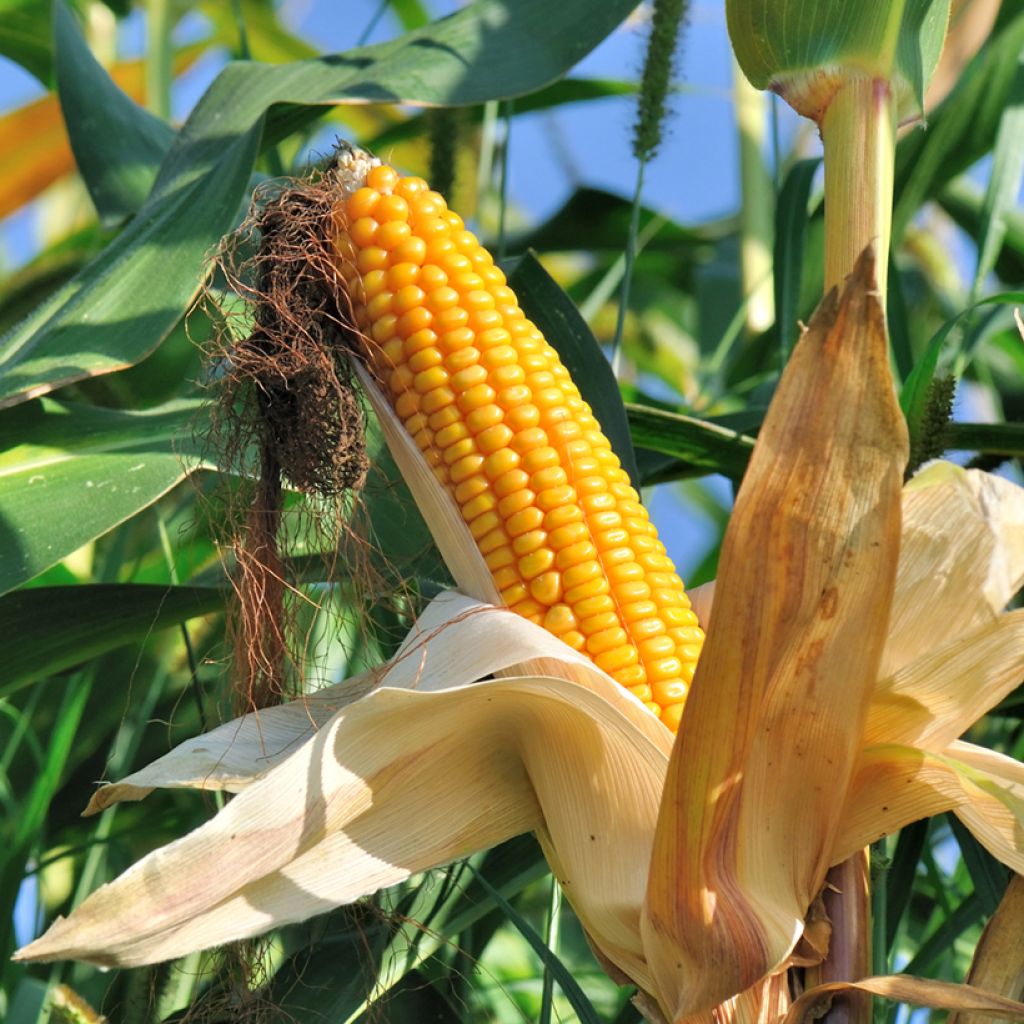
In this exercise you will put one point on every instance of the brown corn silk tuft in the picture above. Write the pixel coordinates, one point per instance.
(286, 415)
(496, 416)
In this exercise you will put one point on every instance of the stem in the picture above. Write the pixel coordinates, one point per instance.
(158, 58)
(364, 36)
(847, 903)
(859, 133)
(757, 205)
(243, 35)
(879, 947)
(551, 941)
(509, 106)
(627, 274)
(485, 167)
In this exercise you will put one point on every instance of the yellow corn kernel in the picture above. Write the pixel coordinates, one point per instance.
(491, 438)
(559, 619)
(487, 400)
(529, 541)
(546, 588)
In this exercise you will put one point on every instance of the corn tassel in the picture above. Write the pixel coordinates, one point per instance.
(497, 417)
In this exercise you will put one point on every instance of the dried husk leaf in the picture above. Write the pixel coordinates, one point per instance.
(397, 783)
(765, 1003)
(999, 957)
(994, 810)
(436, 505)
(893, 786)
(340, 818)
(934, 699)
(896, 785)
(938, 995)
(455, 642)
(961, 559)
(394, 783)
(772, 729)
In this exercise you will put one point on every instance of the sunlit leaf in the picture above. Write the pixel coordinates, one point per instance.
(795, 48)
(34, 139)
(123, 303)
(488, 50)
(70, 473)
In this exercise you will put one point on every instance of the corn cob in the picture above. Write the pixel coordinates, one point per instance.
(497, 417)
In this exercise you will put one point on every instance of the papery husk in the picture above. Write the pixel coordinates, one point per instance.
(395, 782)
(449, 530)
(961, 559)
(938, 696)
(998, 964)
(896, 785)
(770, 736)
(904, 988)
(454, 643)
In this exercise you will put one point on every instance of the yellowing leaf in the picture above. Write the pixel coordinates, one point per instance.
(771, 732)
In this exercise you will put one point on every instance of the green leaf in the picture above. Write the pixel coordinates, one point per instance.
(580, 1004)
(25, 32)
(122, 304)
(966, 914)
(964, 202)
(899, 324)
(1004, 182)
(309, 985)
(961, 130)
(492, 49)
(411, 13)
(50, 629)
(32, 810)
(593, 220)
(988, 438)
(560, 322)
(990, 878)
(914, 393)
(919, 47)
(435, 918)
(791, 218)
(568, 90)
(708, 446)
(118, 146)
(69, 473)
(899, 882)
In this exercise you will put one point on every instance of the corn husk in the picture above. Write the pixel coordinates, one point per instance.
(771, 732)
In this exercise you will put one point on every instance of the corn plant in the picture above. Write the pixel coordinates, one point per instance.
(328, 542)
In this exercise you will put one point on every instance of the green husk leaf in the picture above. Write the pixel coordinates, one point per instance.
(806, 51)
